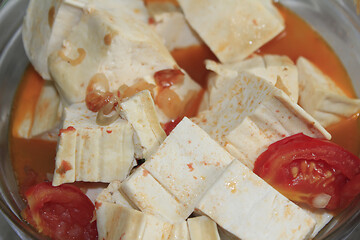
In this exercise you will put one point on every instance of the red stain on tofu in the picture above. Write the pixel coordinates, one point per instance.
(190, 166)
(97, 205)
(122, 235)
(109, 131)
(69, 129)
(64, 167)
(145, 172)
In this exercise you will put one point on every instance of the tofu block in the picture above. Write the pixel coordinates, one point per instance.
(122, 48)
(187, 163)
(139, 111)
(246, 206)
(321, 97)
(250, 114)
(48, 22)
(202, 228)
(92, 153)
(156, 229)
(47, 115)
(151, 198)
(48, 111)
(278, 70)
(170, 24)
(45, 25)
(116, 222)
(116, 219)
(233, 29)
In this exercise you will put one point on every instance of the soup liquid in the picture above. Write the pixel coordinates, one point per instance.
(33, 159)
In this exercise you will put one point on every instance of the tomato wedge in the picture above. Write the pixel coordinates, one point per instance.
(313, 171)
(62, 212)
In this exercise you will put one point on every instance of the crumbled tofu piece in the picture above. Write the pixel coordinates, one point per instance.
(246, 206)
(250, 114)
(321, 97)
(46, 117)
(151, 198)
(89, 152)
(170, 24)
(233, 29)
(119, 46)
(202, 228)
(139, 111)
(187, 163)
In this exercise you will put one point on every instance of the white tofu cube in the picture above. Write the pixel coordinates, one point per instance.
(233, 29)
(321, 97)
(246, 206)
(139, 111)
(119, 46)
(170, 24)
(151, 198)
(46, 117)
(89, 152)
(187, 163)
(250, 114)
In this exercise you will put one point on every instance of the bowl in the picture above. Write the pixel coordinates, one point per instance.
(335, 20)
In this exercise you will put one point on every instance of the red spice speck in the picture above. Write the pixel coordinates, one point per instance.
(254, 22)
(277, 111)
(190, 166)
(151, 20)
(69, 129)
(122, 235)
(109, 131)
(64, 167)
(97, 205)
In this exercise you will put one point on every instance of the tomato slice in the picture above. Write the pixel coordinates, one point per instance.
(312, 171)
(62, 212)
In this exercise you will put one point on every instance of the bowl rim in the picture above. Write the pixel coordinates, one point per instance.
(18, 224)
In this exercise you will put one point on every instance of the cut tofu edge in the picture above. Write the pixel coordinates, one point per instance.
(321, 97)
(196, 162)
(92, 153)
(260, 212)
(139, 111)
(232, 38)
(254, 114)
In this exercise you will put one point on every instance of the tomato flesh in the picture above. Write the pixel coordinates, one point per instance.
(303, 168)
(62, 212)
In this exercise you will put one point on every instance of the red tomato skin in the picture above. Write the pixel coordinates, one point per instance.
(327, 160)
(62, 212)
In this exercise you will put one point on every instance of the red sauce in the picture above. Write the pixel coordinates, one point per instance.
(32, 159)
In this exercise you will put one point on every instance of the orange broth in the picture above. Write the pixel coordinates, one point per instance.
(34, 158)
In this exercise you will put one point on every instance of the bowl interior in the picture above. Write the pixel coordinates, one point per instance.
(335, 20)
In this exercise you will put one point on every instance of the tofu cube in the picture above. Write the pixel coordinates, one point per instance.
(233, 29)
(89, 152)
(246, 206)
(139, 111)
